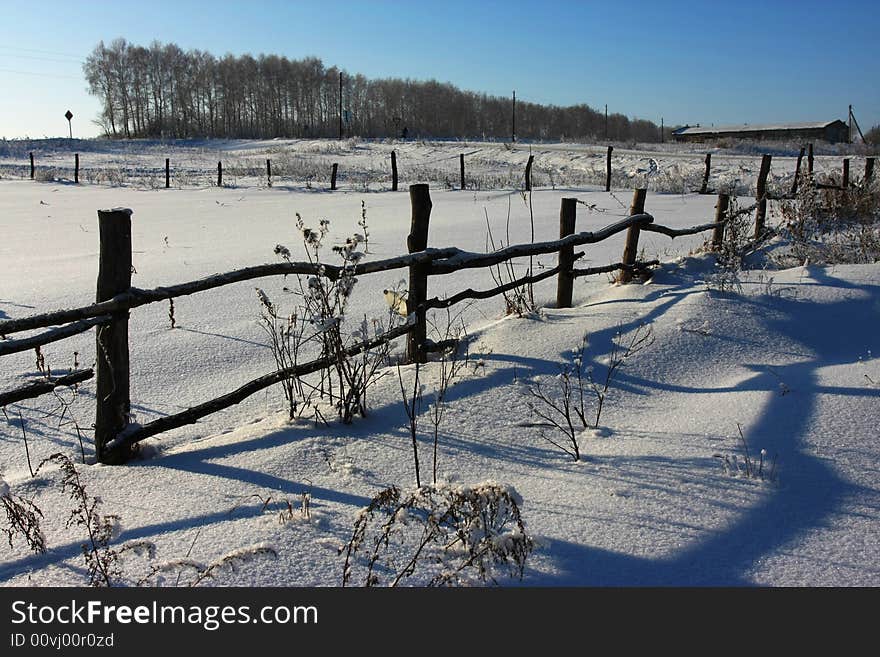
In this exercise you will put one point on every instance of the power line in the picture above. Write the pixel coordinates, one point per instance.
(44, 52)
(44, 59)
(42, 75)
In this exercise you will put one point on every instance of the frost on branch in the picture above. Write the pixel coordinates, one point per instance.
(438, 535)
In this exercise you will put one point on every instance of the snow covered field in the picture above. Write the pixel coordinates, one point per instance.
(792, 358)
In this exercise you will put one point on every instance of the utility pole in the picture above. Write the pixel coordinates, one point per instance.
(662, 136)
(340, 104)
(513, 121)
(849, 118)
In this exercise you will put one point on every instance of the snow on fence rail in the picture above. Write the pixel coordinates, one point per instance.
(114, 435)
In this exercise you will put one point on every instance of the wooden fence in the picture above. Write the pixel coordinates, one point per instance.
(527, 176)
(114, 436)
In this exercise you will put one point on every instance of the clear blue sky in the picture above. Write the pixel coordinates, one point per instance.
(688, 62)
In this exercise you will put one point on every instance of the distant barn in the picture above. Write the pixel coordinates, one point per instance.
(830, 131)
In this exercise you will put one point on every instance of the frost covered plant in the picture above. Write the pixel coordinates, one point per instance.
(744, 465)
(438, 535)
(565, 408)
(190, 572)
(102, 561)
(729, 256)
(22, 519)
(286, 333)
(324, 301)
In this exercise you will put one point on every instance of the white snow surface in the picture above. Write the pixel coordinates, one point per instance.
(793, 363)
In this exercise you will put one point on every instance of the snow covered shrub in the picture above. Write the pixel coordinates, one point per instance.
(438, 535)
(729, 257)
(566, 407)
(322, 314)
(744, 466)
(22, 519)
(828, 226)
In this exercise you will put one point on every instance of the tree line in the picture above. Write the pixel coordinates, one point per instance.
(164, 91)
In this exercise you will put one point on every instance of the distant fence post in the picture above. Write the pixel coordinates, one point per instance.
(631, 248)
(845, 183)
(167, 173)
(269, 172)
(333, 176)
(704, 188)
(565, 281)
(529, 173)
(461, 166)
(761, 196)
(32, 165)
(869, 169)
(797, 172)
(720, 212)
(393, 171)
(76, 168)
(112, 377)
(220, 174)
(810, 160)
(608, 169)
(420, 199)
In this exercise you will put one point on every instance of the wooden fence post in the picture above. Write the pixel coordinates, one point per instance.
(797, 172)
(461, 166)
(394, 171)
(565, 281)
(167, 173)
(720, 212)
(810, 160)
(269, 172)
(631, 248)
(112, 376)
(529, 173)
(420, 199)
(845, 183)
(220, 174)
(761, 196)
(333, 176)
(869, 169)
(608, 169)
(76, 168)
(32, 166)
(704, 188)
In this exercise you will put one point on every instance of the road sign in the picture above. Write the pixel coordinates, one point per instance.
(68, 115)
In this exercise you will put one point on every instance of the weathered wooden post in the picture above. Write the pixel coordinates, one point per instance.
(32, 165)
(845, 183)
(565, 281)
(797, 172)
(112, 376)
(869, 169)
(761, 196)
(269, 172)
(420, 199)
(167, 173)
(810, 161)
(461, 166)
(76, 167)
(608, 169)
(333, 176)
(631, 248)
(704, 188)
(529, 173)
(393, 171)
(720, 213)
(220, 174)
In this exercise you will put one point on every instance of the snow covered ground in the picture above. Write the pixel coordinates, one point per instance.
(792, 359)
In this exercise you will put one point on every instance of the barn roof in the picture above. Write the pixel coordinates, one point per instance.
(754, 127)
